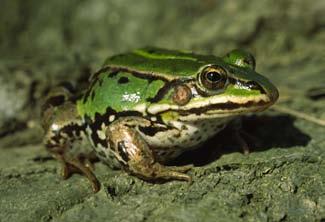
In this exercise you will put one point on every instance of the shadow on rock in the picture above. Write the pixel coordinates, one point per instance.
(265, 132)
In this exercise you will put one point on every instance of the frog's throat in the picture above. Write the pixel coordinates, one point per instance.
(217, 107)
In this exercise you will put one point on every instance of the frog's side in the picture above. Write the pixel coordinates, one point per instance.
(146, 107)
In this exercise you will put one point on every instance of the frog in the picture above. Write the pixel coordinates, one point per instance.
(146, 107)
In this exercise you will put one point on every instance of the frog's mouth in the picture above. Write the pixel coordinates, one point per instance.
(218, 107)
(223, 110)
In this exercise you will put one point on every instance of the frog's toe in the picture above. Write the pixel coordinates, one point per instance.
(181, 169)
(65, 171)
(175, 175)
(172, 172)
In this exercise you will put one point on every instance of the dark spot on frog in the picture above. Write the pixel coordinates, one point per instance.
(112, 74)
(122, 150)
(53, 101)
(72, 131)
(150, 80)
(95, 138)
(123, 80)
(92, 95)
(69, 132)
(100, 119)
(152, 130)
(100, 82)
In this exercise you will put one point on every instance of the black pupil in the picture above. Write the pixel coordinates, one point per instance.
(214, 76)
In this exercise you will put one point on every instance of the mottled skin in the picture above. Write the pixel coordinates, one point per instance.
(146, 107)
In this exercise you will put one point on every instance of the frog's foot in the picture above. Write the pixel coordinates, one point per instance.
(182, 169)
(71, 165)
(175, 172)
(157, 171)
(136, 156)
(88, 159)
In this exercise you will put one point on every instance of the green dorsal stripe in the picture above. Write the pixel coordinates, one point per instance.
(149, 55)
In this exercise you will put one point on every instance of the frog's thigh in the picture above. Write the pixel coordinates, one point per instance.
(134, 153)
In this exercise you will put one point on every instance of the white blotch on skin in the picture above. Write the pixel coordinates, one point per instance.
(133, 97)
(101, 134)
(111, 118)
(141, 108)
(55, 127)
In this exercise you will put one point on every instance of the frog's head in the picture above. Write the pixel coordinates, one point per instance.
(227, 87)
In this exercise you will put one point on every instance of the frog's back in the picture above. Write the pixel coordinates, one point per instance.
(128, 82)
(117, 92)
(161, 62)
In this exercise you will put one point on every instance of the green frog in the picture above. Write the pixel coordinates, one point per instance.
(146, 107)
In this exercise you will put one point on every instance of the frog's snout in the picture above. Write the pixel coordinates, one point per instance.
(273, 93)
(269, 89)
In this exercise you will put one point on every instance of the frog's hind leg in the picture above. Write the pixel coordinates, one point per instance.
(135, 155)
(62, 127)
(59, 145)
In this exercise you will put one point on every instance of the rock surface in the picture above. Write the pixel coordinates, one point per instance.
(282, 179)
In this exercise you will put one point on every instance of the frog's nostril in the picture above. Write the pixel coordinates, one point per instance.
(254, 86)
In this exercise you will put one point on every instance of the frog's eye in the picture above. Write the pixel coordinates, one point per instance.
(213, 78)
(240, 58)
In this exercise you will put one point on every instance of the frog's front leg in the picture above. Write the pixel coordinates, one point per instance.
(135, 154)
